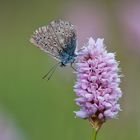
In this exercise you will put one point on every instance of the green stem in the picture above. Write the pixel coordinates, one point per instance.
(94, 134)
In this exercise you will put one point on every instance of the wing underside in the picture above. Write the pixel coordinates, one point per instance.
(54, 37)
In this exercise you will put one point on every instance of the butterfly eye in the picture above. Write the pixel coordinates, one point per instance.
(70, 34)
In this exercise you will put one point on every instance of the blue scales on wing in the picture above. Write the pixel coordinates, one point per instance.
(57, 39)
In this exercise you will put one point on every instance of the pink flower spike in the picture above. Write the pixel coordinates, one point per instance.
(98, 78)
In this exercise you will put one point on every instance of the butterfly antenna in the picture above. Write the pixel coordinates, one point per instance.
(50, 72)
(72, 66)
(49, 77)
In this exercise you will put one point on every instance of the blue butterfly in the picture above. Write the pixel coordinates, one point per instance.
(58, 39)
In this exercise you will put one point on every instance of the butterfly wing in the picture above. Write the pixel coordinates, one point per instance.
(54, 38)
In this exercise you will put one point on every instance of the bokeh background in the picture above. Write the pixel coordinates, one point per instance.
(33, 109)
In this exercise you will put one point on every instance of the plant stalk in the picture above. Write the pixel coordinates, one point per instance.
(95, 134)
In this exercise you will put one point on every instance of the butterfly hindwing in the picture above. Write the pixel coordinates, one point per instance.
(64, 31)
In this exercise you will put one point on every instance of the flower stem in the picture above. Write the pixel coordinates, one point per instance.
(95, 134)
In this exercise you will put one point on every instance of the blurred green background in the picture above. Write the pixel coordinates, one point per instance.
(40, 110)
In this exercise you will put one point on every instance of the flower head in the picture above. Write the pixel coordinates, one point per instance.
(97, 85)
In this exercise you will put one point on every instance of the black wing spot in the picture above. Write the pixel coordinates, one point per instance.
(54, 43)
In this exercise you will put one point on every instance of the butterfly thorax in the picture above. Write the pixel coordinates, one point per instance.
(66, 58)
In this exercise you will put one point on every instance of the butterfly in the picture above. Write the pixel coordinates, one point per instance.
(59, 39)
